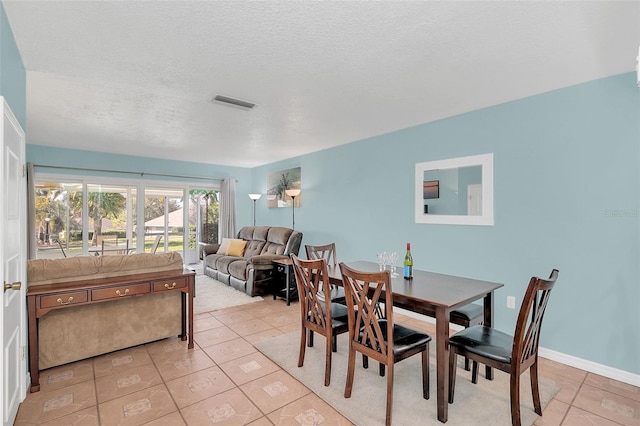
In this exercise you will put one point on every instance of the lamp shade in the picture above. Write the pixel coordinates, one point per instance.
(255, 196)
(292, 192)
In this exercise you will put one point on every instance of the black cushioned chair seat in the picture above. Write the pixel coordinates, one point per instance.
(404, 339)
(337, 295)
(485, 341)
(467, 312)
(338, 314)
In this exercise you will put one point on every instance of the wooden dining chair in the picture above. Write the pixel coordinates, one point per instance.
(321, 316)
(512, 354)
(328, 253)
(466, 316)
(373, 333)
(113, 249)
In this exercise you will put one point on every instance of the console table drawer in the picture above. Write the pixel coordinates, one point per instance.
(63, 299)
(172, 284)
(120, 291)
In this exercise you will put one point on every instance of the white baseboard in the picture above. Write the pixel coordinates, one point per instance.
(572, 361)
(590, 366)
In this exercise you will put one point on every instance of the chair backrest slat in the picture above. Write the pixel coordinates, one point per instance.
(527, 334)
(310, 281)
(366, 292)
(326, 252)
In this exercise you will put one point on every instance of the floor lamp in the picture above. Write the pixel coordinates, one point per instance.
(293, 193)
(254, 197)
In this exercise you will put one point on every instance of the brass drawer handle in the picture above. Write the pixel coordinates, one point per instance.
(167, 286)
(119, 293)
(60, 301)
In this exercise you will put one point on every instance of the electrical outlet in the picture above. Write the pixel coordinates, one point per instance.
(511, 302)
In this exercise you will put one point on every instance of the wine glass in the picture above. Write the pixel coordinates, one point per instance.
(393, 259)
(382, 260)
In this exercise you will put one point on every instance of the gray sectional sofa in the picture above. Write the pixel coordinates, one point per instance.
(252, 272)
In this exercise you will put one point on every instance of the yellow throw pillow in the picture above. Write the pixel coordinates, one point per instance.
(224, 246)
(236, 248)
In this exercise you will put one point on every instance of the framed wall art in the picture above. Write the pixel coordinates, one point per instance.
(278, 183)
(431, 189)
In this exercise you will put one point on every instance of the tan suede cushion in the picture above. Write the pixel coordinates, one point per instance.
(48, 271)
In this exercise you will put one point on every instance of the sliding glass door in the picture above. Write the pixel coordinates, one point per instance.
(203, 221)
(58, 219)
(164, 219)
(75, 215)
(110, 215)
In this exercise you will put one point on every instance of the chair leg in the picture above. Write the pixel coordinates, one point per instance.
(389, 396)
(327, 360)
(474, 372)
(381, 370)
(515, 399)
(351, 366)
(334, 343)
(535, 392)
(466, 364)
(303, 343)
(310, 338)
(425, 373)
(365, 361)
(453, 359)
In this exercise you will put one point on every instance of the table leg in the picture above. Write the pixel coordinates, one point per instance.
(184, 313)
(287, 286)
(488, 321)
(442, 362)
(34, 361)
(192, 291)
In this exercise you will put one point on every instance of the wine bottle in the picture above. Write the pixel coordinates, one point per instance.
(408, 264)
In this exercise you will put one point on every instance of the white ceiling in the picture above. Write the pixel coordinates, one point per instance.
(136, 77)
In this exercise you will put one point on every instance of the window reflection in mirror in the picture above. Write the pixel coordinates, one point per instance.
(460, 191)
(455, 191)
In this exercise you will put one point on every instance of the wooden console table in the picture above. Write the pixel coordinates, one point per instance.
(42, 299)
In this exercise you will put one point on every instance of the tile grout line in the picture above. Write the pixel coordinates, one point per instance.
(166, 386)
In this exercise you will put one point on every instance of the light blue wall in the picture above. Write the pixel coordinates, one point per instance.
(567, 189)
(12, 73)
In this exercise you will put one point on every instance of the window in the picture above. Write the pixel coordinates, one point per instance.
(74, 215)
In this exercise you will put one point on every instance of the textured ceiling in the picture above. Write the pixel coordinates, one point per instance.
(136, 77)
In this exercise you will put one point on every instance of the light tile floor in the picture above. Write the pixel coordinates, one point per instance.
(226, 380)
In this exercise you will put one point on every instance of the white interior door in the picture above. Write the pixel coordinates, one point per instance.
(474, 200)
(13, 267)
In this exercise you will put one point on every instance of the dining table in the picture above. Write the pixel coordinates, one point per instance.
(434, 295)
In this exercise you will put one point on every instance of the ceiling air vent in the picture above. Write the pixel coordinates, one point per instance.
(233, 102)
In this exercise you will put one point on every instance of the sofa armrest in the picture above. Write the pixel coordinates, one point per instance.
(210, 248)
(264, 261)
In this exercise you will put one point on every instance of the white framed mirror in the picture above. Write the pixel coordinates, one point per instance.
(455, 191)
